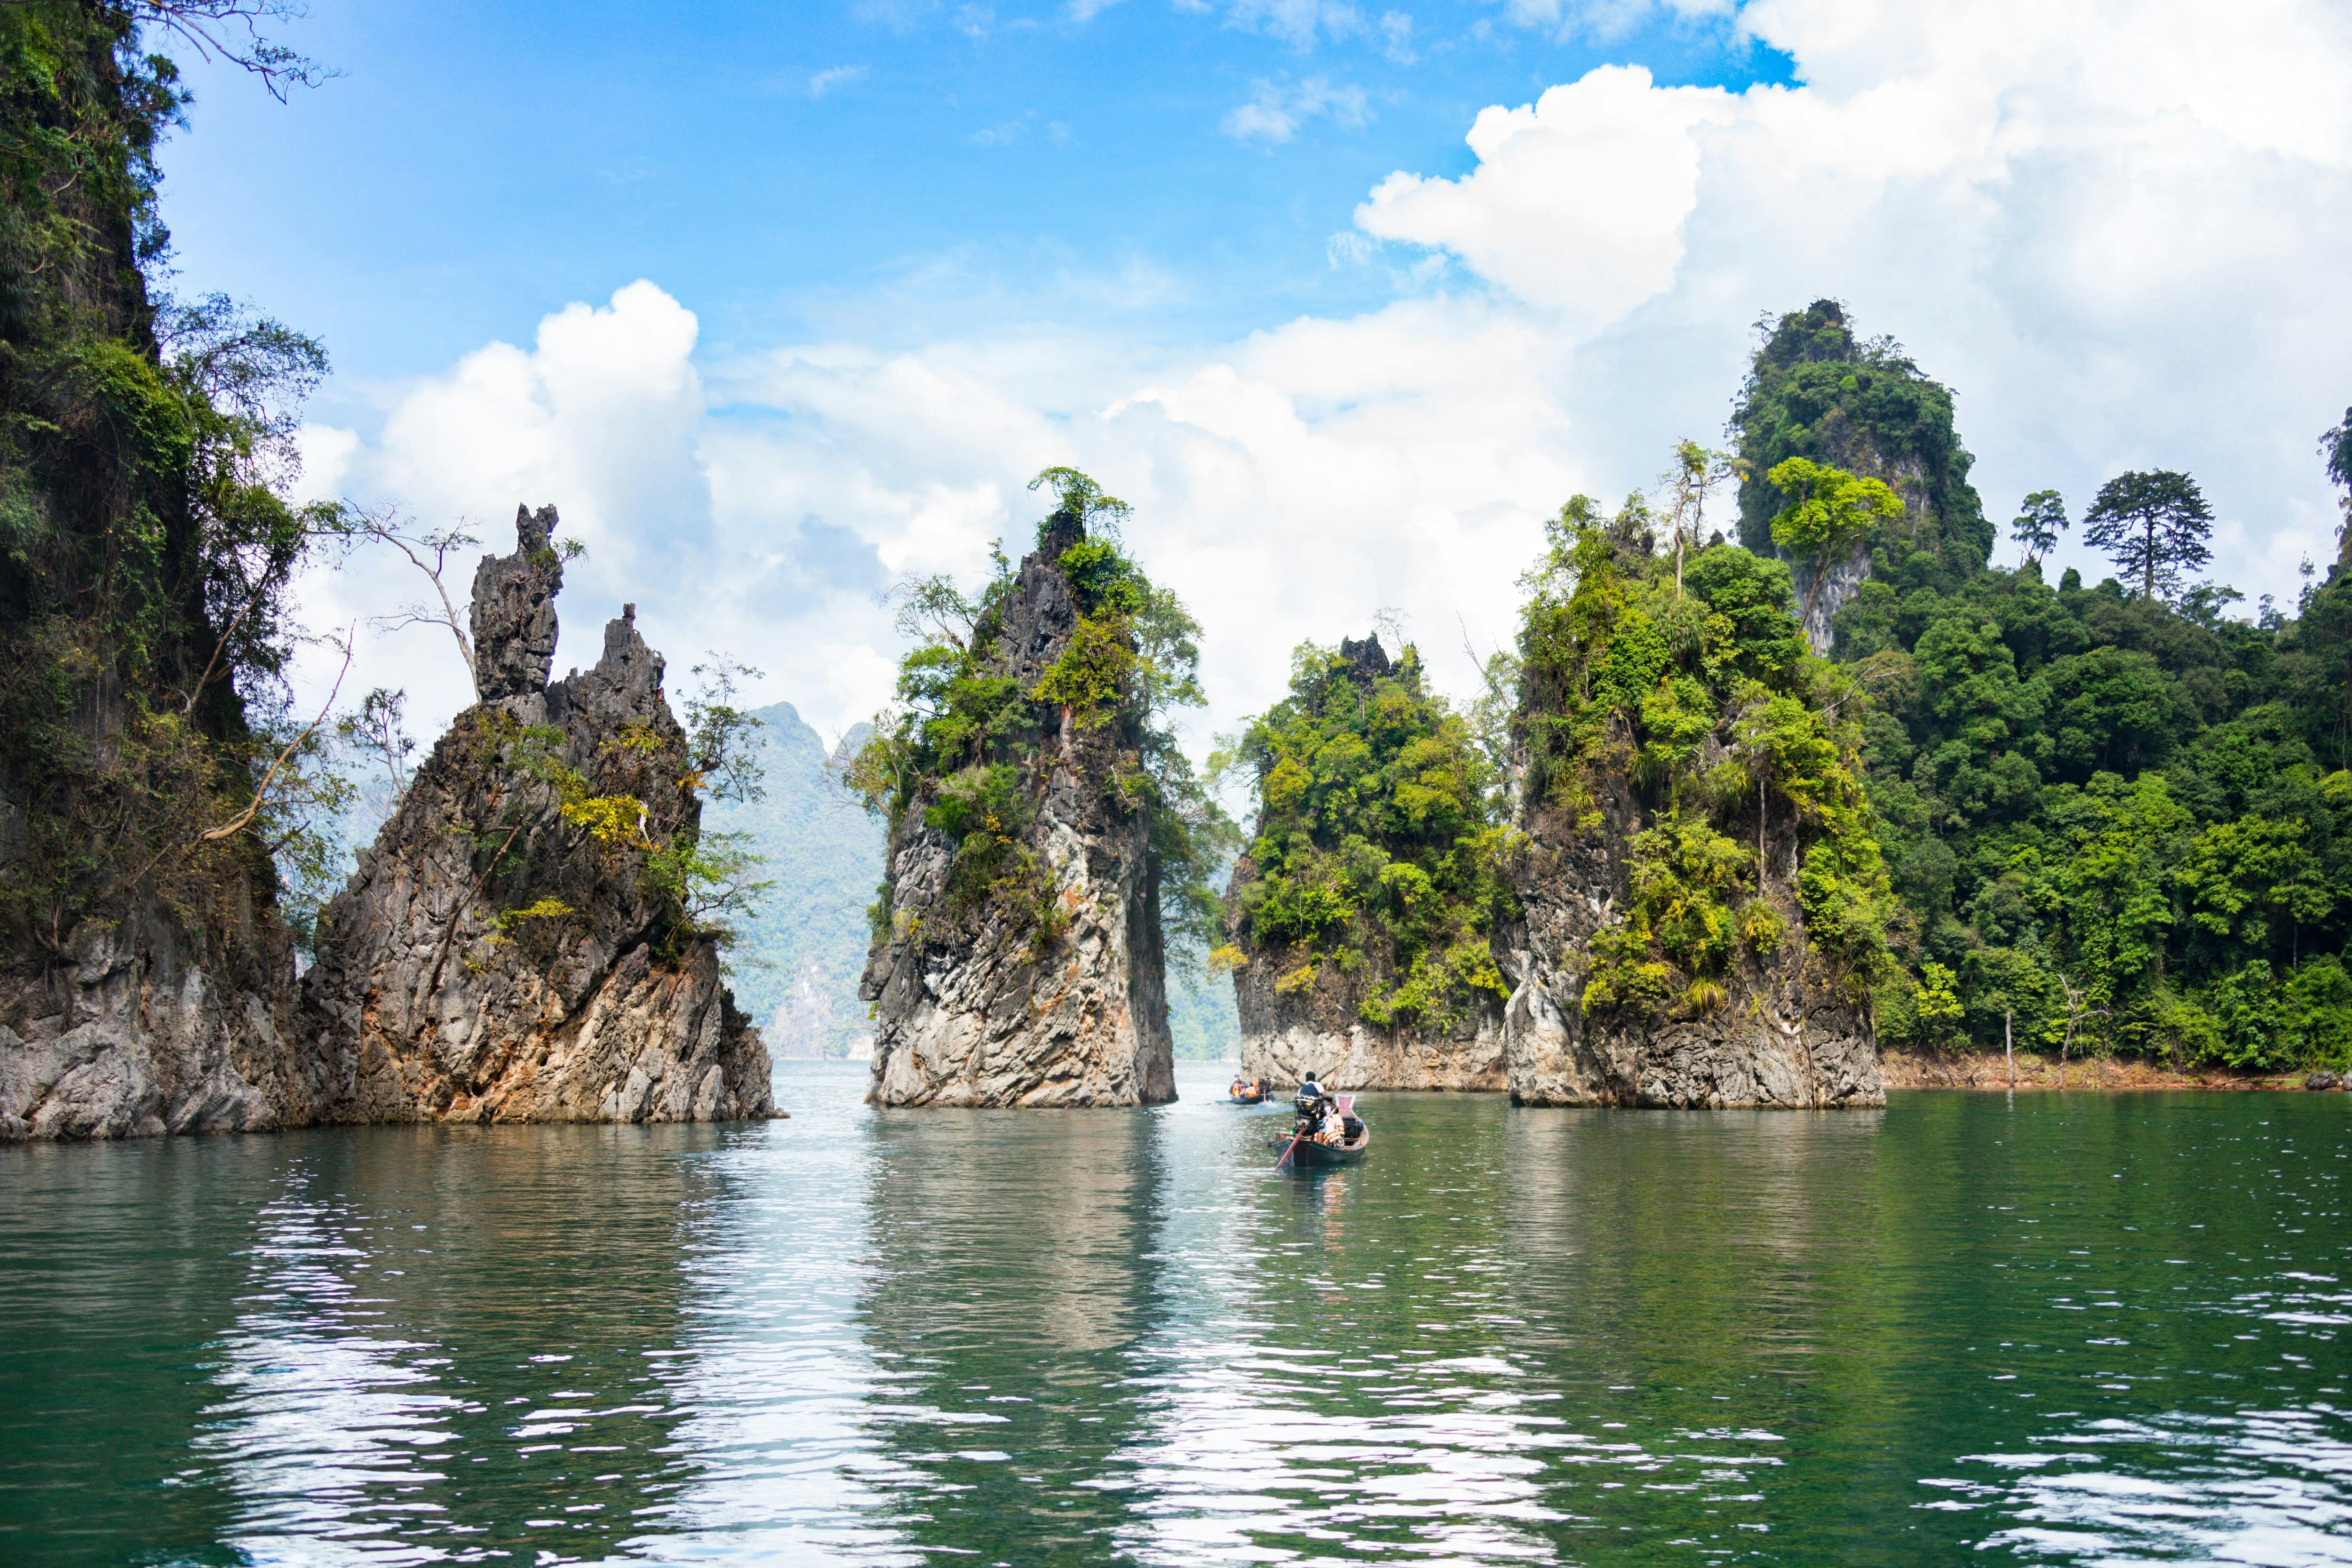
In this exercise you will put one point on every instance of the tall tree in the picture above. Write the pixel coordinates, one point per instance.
(2336, 445)
(1828, 513)
(1696, 473)
(2154, 524)
(2041, 519)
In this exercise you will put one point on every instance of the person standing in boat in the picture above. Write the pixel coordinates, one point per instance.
(1308, 1089)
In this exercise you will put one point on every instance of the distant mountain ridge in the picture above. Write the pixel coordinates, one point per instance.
(797, 959)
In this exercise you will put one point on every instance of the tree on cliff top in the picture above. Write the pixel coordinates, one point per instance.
(2041, 519)
(2154, 524)
(971, 743)
(1376, 836)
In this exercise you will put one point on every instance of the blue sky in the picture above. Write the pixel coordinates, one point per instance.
(477, 166)
(779, 303)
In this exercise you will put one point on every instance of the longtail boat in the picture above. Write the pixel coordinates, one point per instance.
(1299, 1151)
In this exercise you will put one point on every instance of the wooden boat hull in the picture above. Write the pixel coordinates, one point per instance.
(1309, 1155)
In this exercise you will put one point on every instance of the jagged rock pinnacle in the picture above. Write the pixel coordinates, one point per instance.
(514, 611)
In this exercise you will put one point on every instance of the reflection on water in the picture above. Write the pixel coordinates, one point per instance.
(2089, 1330)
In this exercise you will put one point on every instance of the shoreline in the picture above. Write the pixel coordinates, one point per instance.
(1988, 1069)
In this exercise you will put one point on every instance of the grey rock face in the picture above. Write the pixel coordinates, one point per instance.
(1468, 1058)
(1787, 1034)
(494, 959)
(1284, 1032)
(513, 612)
(143, 1030)
(972, 1006)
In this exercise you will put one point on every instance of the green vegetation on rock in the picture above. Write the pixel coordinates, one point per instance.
(2116, 820)
(1377, 846)
(1815, 391)
(147, 751)
(970, 728)
(1697, 716)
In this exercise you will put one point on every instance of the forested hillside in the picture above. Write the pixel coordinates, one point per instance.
(2116, 814)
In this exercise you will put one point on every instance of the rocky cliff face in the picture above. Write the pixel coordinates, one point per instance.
(1784, 1035)
(504, 951)
(1284, 1035)
(145, 1027)
(1041, 982)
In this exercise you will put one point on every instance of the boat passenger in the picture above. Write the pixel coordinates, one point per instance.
(1335, 1127)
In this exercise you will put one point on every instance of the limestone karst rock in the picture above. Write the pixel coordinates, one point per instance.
(1285, 1037)
(502, 952)
(1786, 1034)
(1817, 390)
(1045, 985)
(145, 1025)
(1706, 960)
(1301, 1011)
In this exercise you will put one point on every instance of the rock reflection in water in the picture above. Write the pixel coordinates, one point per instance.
(1012, 1271)
(1329, 1385)
(2095, 1328)
(459, 1340)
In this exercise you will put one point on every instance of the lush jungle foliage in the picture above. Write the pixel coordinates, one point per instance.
(1377, 849)
(1734, 743)
(2125, 823)
(971, 744)
(2114, 815)
(1814, 391)
(146, 745)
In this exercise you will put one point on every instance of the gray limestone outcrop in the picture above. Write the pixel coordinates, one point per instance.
(511, 948)
(1786, 1034)
(144, 1026)
(991, 999)
(1469, 1056)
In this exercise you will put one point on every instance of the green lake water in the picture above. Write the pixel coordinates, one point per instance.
(2088, 1329)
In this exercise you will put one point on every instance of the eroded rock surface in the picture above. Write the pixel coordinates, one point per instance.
(140, 1030)
(1470, 1058)
(499, 958)
(973, 1004)
(1786, 1034)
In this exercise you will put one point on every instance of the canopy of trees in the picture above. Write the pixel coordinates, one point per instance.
(2125, 823)
(1375, 846)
